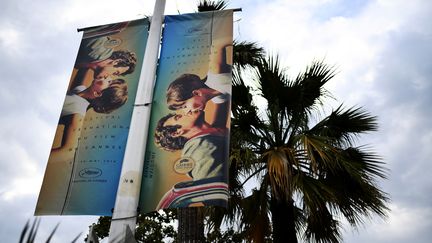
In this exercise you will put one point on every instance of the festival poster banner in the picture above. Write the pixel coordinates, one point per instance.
(84, 165)
(186, 161)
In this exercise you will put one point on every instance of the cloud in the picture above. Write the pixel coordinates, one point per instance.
(19, 211)
(24, 154)
(11, 41)
(405, 224)
(19, 178)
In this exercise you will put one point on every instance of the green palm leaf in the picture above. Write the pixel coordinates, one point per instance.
(208, 5)
(341, 126)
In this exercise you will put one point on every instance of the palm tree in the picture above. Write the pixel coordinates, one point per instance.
(309, 173)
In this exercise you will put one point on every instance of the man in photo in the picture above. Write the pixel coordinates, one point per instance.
(189, 92)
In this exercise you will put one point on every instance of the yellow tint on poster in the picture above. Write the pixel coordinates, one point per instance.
(186, 160)
(84, 165)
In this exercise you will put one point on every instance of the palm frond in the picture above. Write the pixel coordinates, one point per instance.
(357, 195)
(76, 238)
(313, 191)
(321, 226)
(309, 87)
(241, 99)
(254, 217)
(364, 162)
(24, 231)
(29, 233)
(33, 231)
(208, 5)
(246, 54)
(52, 233)
(247, 128)
(271, 80)
(342, 125)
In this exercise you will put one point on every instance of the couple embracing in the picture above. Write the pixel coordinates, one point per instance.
(204, 143)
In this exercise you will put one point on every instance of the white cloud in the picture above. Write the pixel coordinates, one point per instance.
(99, 12)
(11, 40)
(294, 30)
(406, 221)
(25, 174)
(22, 186)
(404, 224)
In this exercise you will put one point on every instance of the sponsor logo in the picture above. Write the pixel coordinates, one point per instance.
(112, 42)
(90, 173)
(184, 165)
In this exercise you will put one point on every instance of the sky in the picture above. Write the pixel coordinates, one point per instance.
(381, 48)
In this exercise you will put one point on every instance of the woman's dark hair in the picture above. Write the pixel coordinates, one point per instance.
(125, 59)
(164, 135)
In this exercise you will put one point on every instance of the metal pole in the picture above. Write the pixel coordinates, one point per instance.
(125, 211)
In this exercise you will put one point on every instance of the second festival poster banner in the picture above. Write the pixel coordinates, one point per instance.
(186, 161)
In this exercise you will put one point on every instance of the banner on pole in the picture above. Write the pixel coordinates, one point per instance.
(186, 160)
(84, 165)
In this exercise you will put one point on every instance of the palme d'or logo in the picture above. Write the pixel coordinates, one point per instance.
(184, 165)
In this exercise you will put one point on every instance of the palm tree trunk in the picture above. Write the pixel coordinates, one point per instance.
(283, 221)
(191, 225)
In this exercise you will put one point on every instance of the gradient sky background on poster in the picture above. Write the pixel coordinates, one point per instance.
(102, 195)
(185, 49)
(103, 139)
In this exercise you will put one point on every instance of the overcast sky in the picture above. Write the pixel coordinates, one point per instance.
(382, 50)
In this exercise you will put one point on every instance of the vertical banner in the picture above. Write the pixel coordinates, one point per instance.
(186, 160)
(84, 165)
